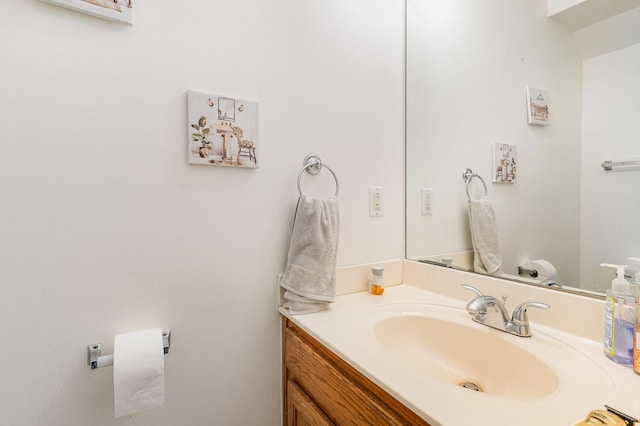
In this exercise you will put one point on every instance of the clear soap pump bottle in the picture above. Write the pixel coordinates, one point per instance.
(619, 318)
(636, 338)
(635, 264)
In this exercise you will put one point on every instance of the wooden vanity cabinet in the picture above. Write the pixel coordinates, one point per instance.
(319, 388)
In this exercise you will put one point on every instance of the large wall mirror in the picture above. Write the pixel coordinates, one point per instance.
(469, 64)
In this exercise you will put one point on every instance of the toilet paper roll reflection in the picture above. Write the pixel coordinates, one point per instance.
(138, 371)
(546, 271)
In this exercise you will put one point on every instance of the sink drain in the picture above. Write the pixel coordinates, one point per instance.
(470, 385)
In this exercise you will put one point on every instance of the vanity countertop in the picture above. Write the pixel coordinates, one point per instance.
(347, 330)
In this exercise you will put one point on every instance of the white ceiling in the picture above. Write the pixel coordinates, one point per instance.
(577, 14)
(599, 26)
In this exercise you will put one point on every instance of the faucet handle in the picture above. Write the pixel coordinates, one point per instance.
(472, 288)
(520, 312)
(520, 319)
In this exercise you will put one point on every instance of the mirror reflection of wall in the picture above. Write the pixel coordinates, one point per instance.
(468, 64)
(610, 131)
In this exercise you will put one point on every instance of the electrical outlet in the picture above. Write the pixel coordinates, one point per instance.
(376, 201)
(427, 201)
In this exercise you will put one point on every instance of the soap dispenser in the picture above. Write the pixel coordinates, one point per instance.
(635, 264)
(619, 318)
(633, 271)
(636, 338)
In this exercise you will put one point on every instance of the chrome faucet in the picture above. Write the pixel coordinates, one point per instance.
(489, 311)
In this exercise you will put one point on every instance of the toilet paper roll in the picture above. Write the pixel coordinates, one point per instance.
(138, 371)
(546, 271)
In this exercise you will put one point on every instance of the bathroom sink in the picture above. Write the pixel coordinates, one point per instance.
(443, 344)
(420, 345)
(473, 356)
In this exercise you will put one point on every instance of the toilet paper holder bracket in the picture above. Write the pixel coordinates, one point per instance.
(95, 360)
(524, 271)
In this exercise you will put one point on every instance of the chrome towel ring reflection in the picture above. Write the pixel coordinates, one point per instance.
(467, 176)
(312, 164)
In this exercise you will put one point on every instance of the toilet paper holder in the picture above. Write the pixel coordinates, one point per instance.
(94, 360)
(524, 271)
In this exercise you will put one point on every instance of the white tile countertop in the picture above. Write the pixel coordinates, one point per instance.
(563, 339)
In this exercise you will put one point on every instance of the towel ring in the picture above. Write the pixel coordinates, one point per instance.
(312, 164)
(467, 176)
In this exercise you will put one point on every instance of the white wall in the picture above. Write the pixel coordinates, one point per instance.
(105, 228)
(610, 201)
(469, 64)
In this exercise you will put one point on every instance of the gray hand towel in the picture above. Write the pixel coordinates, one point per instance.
(310, 274)
(302, 305)
(487, 257)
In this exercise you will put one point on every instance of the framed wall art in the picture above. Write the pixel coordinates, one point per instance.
(113, 10)
(537, 106)
(222, 130)
(505, 161)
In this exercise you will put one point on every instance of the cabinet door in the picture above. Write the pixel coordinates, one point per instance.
(302, 411)
(326, 390)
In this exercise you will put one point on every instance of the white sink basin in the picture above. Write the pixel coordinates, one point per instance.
(443, 344)
(454, 353)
